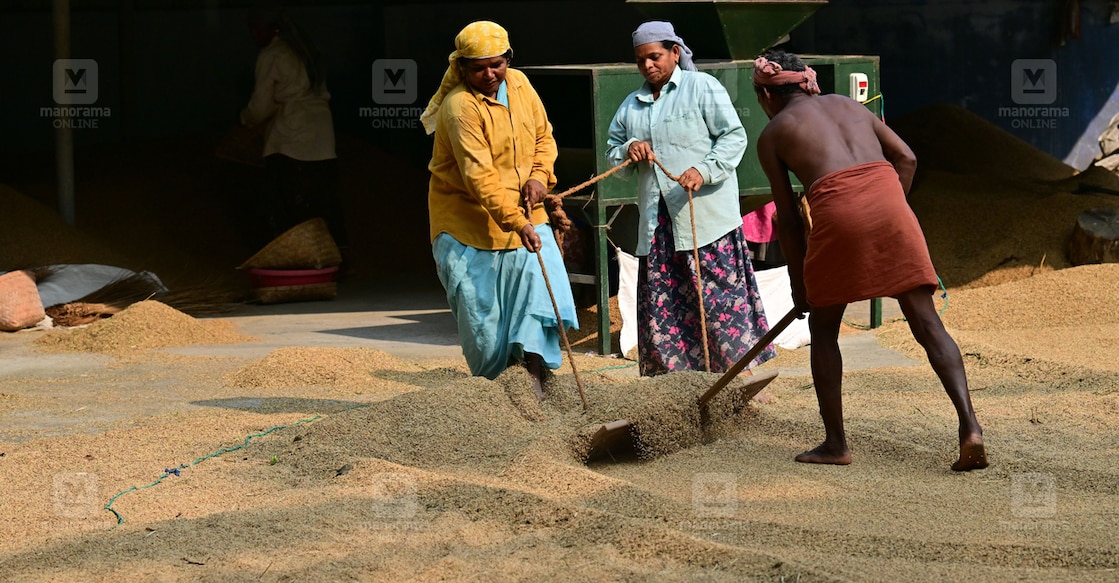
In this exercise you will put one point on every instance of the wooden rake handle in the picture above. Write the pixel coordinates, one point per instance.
(761, 345)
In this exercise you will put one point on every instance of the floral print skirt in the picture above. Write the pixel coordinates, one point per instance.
(670, 332)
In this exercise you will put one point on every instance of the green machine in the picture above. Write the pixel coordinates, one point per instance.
(726, 35)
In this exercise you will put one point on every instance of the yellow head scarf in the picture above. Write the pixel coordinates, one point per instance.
(479, 40)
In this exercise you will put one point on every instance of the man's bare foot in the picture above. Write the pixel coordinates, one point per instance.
(973, 456)
(826, 453)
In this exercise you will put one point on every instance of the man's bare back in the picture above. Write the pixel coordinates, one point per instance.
(817, 135)
(812, 136)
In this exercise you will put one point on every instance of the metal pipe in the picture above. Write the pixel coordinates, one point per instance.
(63, 133)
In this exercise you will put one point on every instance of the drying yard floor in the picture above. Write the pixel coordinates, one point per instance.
(345, 440)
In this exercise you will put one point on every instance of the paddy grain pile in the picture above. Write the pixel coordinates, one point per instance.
(1059, 320)
(32, 235)
(143, 326)
(453, 477)
(471, 424)
(1076, 296)
(333, 366)
(993, 208)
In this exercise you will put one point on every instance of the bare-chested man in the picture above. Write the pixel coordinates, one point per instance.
(863, 242)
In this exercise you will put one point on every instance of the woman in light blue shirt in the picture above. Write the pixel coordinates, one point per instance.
(685, 120)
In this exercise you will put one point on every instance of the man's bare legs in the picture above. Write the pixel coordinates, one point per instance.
(944, 356)
(827, 375)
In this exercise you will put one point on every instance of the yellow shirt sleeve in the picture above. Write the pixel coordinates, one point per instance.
(546, 151)
(481, 175)
(483, 154)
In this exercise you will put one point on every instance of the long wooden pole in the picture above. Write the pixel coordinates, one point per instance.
(559, 317)
(699, 288)
(698, 270)
(563, 331)
(593, 180)
(63, 135)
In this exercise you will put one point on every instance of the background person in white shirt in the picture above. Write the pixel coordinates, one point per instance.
(291, 98)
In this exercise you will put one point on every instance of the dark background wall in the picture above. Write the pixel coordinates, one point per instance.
(182, 70)
(962, 52)
(173, 68)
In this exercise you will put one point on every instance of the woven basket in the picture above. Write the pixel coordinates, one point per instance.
(20, 304)
(296, 293)
(307, 245)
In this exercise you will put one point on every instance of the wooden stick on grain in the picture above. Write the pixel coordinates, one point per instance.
(563, 331)
(699, 288)
(698, 271)
(559, 317)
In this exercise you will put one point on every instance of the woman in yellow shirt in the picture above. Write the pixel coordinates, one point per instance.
(493, 157)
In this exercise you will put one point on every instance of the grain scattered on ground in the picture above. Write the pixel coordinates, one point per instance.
(317, 366)
(457, 478)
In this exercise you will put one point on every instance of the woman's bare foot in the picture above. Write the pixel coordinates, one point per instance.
(535, 365)
(973, 456)
(764, 398)
(538, 388)
(826, 453)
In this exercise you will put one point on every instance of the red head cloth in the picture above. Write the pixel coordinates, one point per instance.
(770, 74)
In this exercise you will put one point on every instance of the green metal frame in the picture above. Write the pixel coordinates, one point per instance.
(608, 86)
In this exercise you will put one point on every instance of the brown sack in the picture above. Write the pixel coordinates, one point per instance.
(20, 304)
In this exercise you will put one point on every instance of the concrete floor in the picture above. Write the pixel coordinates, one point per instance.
(405, 318)
(408, 319)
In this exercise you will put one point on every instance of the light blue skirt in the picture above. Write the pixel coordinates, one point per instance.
(501, 303)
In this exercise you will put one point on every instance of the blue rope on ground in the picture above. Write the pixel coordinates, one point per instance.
(177, 470)
(615, 367)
